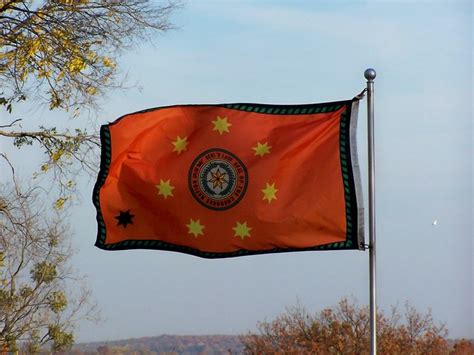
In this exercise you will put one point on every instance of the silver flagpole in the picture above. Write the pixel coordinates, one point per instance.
(370, 75)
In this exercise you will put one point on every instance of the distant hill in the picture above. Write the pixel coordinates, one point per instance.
(165, 345)
(199, 345)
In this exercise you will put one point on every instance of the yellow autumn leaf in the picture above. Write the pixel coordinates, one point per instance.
(59, 204)
(57, 155)
(109, 63)
(91, 90)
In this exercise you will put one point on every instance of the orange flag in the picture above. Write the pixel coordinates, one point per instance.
(232, 179)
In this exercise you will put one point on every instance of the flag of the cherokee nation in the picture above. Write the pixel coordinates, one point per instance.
(228, 180)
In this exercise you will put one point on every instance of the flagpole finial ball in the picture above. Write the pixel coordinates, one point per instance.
(370, 74)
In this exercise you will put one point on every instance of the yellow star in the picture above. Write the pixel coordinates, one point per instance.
(221, 125)
(242, 230)
(165, 188)
(180, 144)
(195, 227)
(269, 192)
(262, 149)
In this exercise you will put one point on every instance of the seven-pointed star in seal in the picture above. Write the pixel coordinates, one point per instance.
(124, 218)
(221, 125)
(218, 179)
(165, 188)
(242, 230)
(269, 192)
(195, 227)
(262, 149)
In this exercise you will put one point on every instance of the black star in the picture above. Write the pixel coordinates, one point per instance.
(124, 218)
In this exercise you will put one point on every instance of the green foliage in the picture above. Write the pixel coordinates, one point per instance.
(25, 291)
(53, 240)
(35, 310)
(57, 301)
(8, 102)
(61, 340)
(22, 140)
(67, 154)
(62, 53)
(55, 144)
(11, 342)
(4, 298)
(44, 272)
(33, 347)
(2, 265)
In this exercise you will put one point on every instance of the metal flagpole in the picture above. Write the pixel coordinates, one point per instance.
(370, 75)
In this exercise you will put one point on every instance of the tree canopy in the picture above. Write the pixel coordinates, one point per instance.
(62, 53)
(344, 329)
(37, 303)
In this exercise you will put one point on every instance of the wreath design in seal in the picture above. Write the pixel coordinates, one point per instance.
(218, 179)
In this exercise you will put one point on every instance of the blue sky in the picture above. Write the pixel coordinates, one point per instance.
(300, 52)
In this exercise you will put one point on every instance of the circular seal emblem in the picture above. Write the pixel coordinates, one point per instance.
(218, 179)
